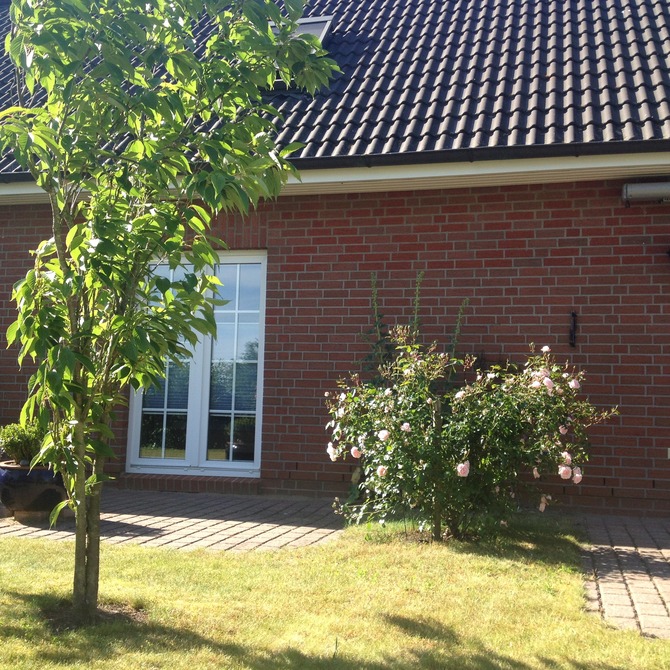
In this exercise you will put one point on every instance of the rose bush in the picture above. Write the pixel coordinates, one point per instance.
(453, 456)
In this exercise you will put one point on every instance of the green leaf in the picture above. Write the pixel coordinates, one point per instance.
(12, 333)
(101, 448)
(163, 284)
(294, 8)
(55, 512)
(254, 11)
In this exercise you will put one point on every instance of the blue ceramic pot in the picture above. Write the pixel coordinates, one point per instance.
(26, 490)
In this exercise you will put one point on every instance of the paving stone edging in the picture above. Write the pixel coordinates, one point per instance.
(628, 563)
(199, 521)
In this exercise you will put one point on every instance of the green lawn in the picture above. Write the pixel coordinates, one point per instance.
(370, 600)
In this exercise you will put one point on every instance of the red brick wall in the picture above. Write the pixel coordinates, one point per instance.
(525, 257)
(22, 228)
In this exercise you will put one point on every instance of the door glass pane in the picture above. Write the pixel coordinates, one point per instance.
(155, 396)
(227, 274)
(178, 386)
(158, 443)
(175, 436)
(223, 346)
(218, 438)
(151, 436)
(245, 387)
(221, 386)
(250, 287)
(244, 438)
(247, 341)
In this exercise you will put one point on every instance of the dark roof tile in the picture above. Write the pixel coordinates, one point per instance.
(449, 75)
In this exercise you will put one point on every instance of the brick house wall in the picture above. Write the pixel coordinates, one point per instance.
(22, 228)
(525, 257)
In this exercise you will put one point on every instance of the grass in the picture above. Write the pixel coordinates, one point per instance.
(369, 601)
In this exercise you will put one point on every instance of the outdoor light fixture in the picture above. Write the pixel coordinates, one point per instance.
(657, 192)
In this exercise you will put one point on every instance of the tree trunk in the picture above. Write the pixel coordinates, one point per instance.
(81, 536)
(87, 537)
(93, 545)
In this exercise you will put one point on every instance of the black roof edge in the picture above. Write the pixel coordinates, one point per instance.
(14, 177)
(483, 154)
(577, 150)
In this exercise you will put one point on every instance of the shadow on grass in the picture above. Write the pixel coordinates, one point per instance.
(124, 634)
(548, 539)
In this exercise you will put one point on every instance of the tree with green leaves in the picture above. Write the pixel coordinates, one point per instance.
(140, 121)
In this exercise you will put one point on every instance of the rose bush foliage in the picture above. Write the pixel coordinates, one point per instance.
(452, 455)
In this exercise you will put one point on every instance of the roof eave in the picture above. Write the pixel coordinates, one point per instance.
(482, 168)
(440, 170)
(485, 154)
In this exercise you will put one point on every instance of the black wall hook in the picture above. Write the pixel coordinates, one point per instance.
(573, 329)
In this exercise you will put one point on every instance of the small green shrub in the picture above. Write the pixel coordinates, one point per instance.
(21, 443)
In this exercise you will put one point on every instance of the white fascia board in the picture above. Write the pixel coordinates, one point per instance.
(437, 176)
(22, 193)
(479, 174)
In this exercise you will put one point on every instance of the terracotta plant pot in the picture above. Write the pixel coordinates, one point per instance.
(26, 490)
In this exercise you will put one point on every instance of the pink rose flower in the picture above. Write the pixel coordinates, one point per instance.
(565, 471)
(574, 384)
(536, 473)
(577, 475)
(546, 350)
(567, 458)
(459, 395)
(548, 383)
(463, 469)
(536, 384)
(406, 428)
(330, 449)
(356, 452)
(382, 470)
(563, 430)
(383, 435)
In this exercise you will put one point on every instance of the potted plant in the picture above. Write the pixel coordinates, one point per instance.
(26, 486)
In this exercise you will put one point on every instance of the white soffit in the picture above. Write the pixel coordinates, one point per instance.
(479, 174)
(437, 176)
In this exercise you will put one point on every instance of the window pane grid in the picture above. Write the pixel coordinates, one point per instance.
(222, 424)
(163, 429)
(230, 382)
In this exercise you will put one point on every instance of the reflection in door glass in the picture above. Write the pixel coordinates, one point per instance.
(234, 366)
